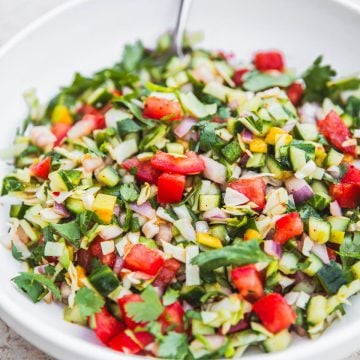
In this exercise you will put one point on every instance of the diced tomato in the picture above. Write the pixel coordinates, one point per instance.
(287, 227)
(191, 164)
(170, 188)
(254, 189)
(269, 60)
(41, 169)
(142, 258)
(248, 281)
(331, 253)
(96, 250)
(274, 312)
(167, 273)
(172, 318)
(106, 325)
(84, 257)
(124, 341)
(294, 92)
(336, 132)
(126, 300)
(159, 108)
(144, 171)
(352, 176)
(239, 75)
(347, 195)
(60, 130)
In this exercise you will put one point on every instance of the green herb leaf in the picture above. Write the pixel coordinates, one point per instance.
(256, 81)
(174, 346)
(127, 126)
(132, 55)
(208, 138)
(69, 231)
(16, 253)
(128, 192)
(34, 285)
(148, 310)
(352, 108)
(246, 252)
(88, 302)
(11, 184)
(84, 219)
(170, 296)
(135, 111)
(351, 248)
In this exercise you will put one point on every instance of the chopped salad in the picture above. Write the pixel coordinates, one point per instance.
(191, 208)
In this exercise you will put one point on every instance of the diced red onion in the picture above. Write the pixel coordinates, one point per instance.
(116, 210)
(321, 251)
(61, 210)
(184, 127)
(41, 269)
(270, 234)
(65, 290)
(215, 213)
(247, 136)
(289, 125)
(164, 234)
(299, 188)
(334, 171)
(272, 248)
(306, 245)
(335, 209)
(144, 209)
(119, 263)
(241, 325)
(186, 306)
(243, 160)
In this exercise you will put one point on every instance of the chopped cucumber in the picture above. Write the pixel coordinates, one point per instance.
(306, 131)
(75, 205)
(18, 211)
(297, 158)
(232, 151)
(220, 232)
(316, 310)
(333, 158)
(199, 328)
(331, 277)
(257, 160)
(319, 230)
(274, 167)
(356, 270)
(338, 222)
(72, 314)
(288, 263)
(192, 294)
(104, 280)
(32, 233)
(108, 176)
(314, 264)
(208, 202)
(278, 342)
(175, 148)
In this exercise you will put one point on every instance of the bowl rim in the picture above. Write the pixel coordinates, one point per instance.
(25, 324)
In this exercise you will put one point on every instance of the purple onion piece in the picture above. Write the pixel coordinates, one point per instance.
(61, 210)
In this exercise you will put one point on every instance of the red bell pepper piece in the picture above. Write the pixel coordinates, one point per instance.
(170, 188)
(248, 281)
(274, 312)
(238, 76)
(167, 273)
(96, 250)
(352, 176)
(172, 318)
(336, 132)
(254, 189)
(347, 195)
(60, 130)
(269, 60)
(130, 342)
(191, 164)
(287, 227)
(106, 325)
(130, 323)
(144, 171)
(162, 109)
(294, 92)
(41, 169)
(141, 258)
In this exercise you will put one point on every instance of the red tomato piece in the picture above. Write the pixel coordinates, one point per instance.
(144, 171)
(331, 253)
(170, 188)
(172, 318)
(96, 250)
(347, 195)
(60, 130)
(274, 312)
(167, 273)
(84, 257)
(287, 227)
(238, 77)
(142, 258)
(162, 109)
(106, 325)
(192, 164)
(125, 343)
(248, 281)
(294, 92)
(352, 176)
(41, 169)
(254, 189)
(336, 132)
(130, 323)
(269, 60)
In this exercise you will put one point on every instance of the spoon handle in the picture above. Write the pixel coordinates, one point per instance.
(178, 35)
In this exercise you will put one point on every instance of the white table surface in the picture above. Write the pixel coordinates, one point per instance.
(14, 15)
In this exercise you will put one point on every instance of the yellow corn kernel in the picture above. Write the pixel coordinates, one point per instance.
(251, 234)
(208, 240)
(184, 143)
(347, 158)
(62, 115)
(271, 135)
(70, 252)
(258, 146)
(81, 274)
(104, 207)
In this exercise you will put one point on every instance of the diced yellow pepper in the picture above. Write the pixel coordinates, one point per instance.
(71, 252)
(348, 158)
(81, 274)
(62, 115)
(356, 269)
(208, 240)
(104, 207)
(251, 234)
(258, 145)
(337, 236)
(271, 135)
(288, 139)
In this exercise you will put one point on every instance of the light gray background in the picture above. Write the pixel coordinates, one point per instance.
(14, 15)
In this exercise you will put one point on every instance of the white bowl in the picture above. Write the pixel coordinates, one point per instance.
(87, 35)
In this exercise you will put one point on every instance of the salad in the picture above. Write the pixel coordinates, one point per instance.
(191, 208)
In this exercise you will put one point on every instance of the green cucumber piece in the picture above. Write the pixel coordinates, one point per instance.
(104, 280)
(331, 277)
(75, 205)
(307, 132)
(314, 264)
(108, 176)
(257, 160)
(220, 232)
(18, 211)
(232, 151)
(278, 342)
(274, 167)
(319, 230)
(297, 158)
(192, 294)
(175, 148)
(288, 263)
(339, 223)
(208, 202)
(316, 311)
(333, 158)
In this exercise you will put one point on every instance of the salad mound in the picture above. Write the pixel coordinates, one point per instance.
(191, 208)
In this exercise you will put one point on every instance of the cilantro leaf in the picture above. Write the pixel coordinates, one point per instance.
(135, 111)
(70, 231)
(170, 296)
(351, 248)
(132, 55)
(16, 253)
(88, 302)
(128, 192)
(256, 81)
(352, 108)
(316, 78)
(208, 138)
(148, 310)
(34, 285)
(174, 346)
(84, 219)
(127, 126)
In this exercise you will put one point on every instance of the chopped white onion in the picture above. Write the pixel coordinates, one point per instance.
(306, 170)
(108, 232)
(214, 170)
(302, 300)
(201, 227)
(144, 209)
(54, 248)
(150, 229)
(182, 212)
(192, 272)
(285, 281)
(214, 214)
(233, 197)
(163, 214)
(184, 127)
(125, 149)
(292, 297)
(335, 209)
(186, 229)
(177, 252)
(321, 251)
(107, 247)
(307, 245)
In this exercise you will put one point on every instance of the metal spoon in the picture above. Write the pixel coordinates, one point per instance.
(179, 30)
